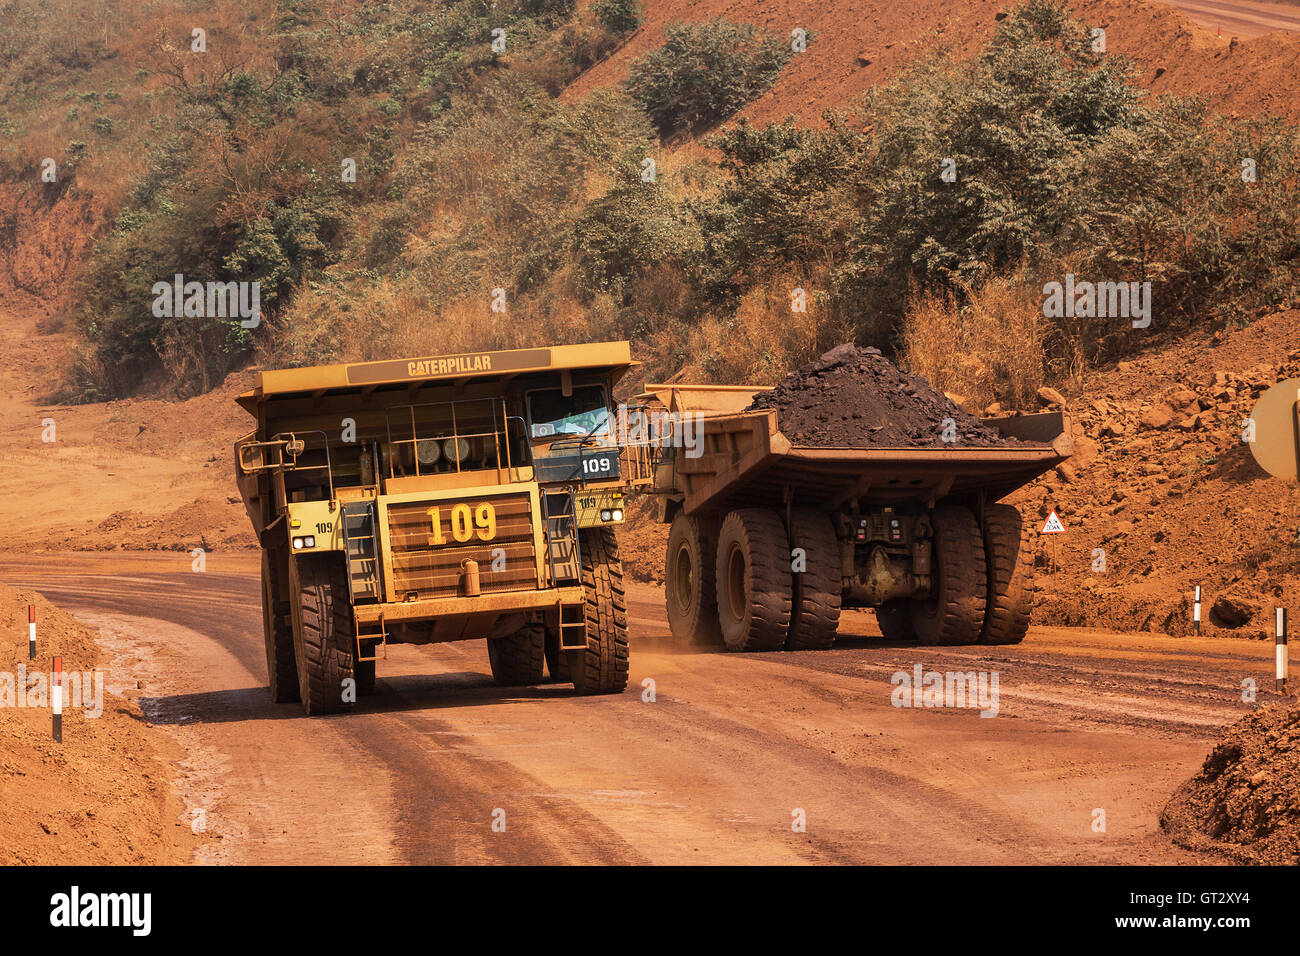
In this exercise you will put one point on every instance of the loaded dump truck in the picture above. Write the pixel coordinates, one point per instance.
(770, 538)
(438, 498)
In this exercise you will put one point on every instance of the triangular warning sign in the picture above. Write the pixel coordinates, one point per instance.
(1053, 525)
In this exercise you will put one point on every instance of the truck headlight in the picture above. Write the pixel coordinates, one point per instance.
(297, 543)
(617, 514)
(604, 515)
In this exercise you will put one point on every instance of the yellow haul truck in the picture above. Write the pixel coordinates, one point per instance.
(439, 498)
(918, 534)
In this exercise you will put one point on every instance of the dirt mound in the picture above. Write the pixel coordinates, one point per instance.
(854, 397)
(102, 796)
(1246, 799)
(1162, 495)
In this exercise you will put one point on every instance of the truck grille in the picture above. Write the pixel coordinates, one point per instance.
(428, 569)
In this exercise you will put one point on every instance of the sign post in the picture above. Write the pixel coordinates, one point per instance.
(1282, 663)
(1053, 526)
(56, 698)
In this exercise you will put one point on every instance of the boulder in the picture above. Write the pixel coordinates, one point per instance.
(1232, 612)
(1050, 396)
(1159, 415)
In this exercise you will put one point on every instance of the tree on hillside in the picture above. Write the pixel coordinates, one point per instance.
(704, 73)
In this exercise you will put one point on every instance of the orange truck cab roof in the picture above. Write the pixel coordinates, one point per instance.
(613, 358)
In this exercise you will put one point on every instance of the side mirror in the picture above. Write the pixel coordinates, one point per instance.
(295, 447)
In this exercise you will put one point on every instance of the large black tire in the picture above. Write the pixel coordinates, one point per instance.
(895, 620)
(324, 634)
(753, 575)
(956, 612)
(602, 667)
(365, 671)
(690, 591)
(557, 662)
(517, 660)
(816, 602)
(277, 631)
(1009, 562)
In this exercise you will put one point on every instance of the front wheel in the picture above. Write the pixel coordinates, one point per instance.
(602, 667)
(324, 635)
(277, 631)
(517, 659)
(557, 662)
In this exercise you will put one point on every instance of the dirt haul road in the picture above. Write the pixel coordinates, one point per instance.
(713, 770)
(1240, 19)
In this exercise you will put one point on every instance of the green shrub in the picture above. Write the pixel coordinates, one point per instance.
(627, 233)
(704, 73)
(620, 16)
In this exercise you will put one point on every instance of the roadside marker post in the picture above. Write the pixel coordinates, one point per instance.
(31, 632)
(56, 698)
(1196, 613)
(1282, 663)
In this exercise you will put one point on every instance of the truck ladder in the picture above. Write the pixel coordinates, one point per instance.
(361, 550)
(564, 554)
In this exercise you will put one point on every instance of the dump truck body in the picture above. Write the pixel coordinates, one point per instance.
(436, 498)
(874, 524)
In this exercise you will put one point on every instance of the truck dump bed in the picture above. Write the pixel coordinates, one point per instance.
(743, 460)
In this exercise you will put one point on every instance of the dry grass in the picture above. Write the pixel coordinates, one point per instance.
(765, 338)
(990, 348)
(355, 322)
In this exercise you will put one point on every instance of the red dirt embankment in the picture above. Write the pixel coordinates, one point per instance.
(856, 44)
(102, 795)
(1163, 495)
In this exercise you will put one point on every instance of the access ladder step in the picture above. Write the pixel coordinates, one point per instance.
(573, 627)
(361, 550)
(563, 554)
(371, 631)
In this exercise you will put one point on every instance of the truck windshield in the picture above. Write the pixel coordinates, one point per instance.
(551, 412)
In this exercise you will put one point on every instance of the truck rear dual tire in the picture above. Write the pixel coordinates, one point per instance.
(518, 660)
(815, 614)
(324, 634)
(753, 580)
(557, 662)
(277, 629)
(364, 672)
(1010, 567)
(955, 613)
(602, 667)
(690, 587)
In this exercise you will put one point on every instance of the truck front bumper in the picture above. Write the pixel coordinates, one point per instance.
(501, 602)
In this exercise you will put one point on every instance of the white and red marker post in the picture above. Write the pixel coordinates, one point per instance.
(31, 632)
(56, 698)
(1282, 663)
(1196, 613)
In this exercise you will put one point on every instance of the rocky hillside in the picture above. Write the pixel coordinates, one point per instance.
(1164, 488)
